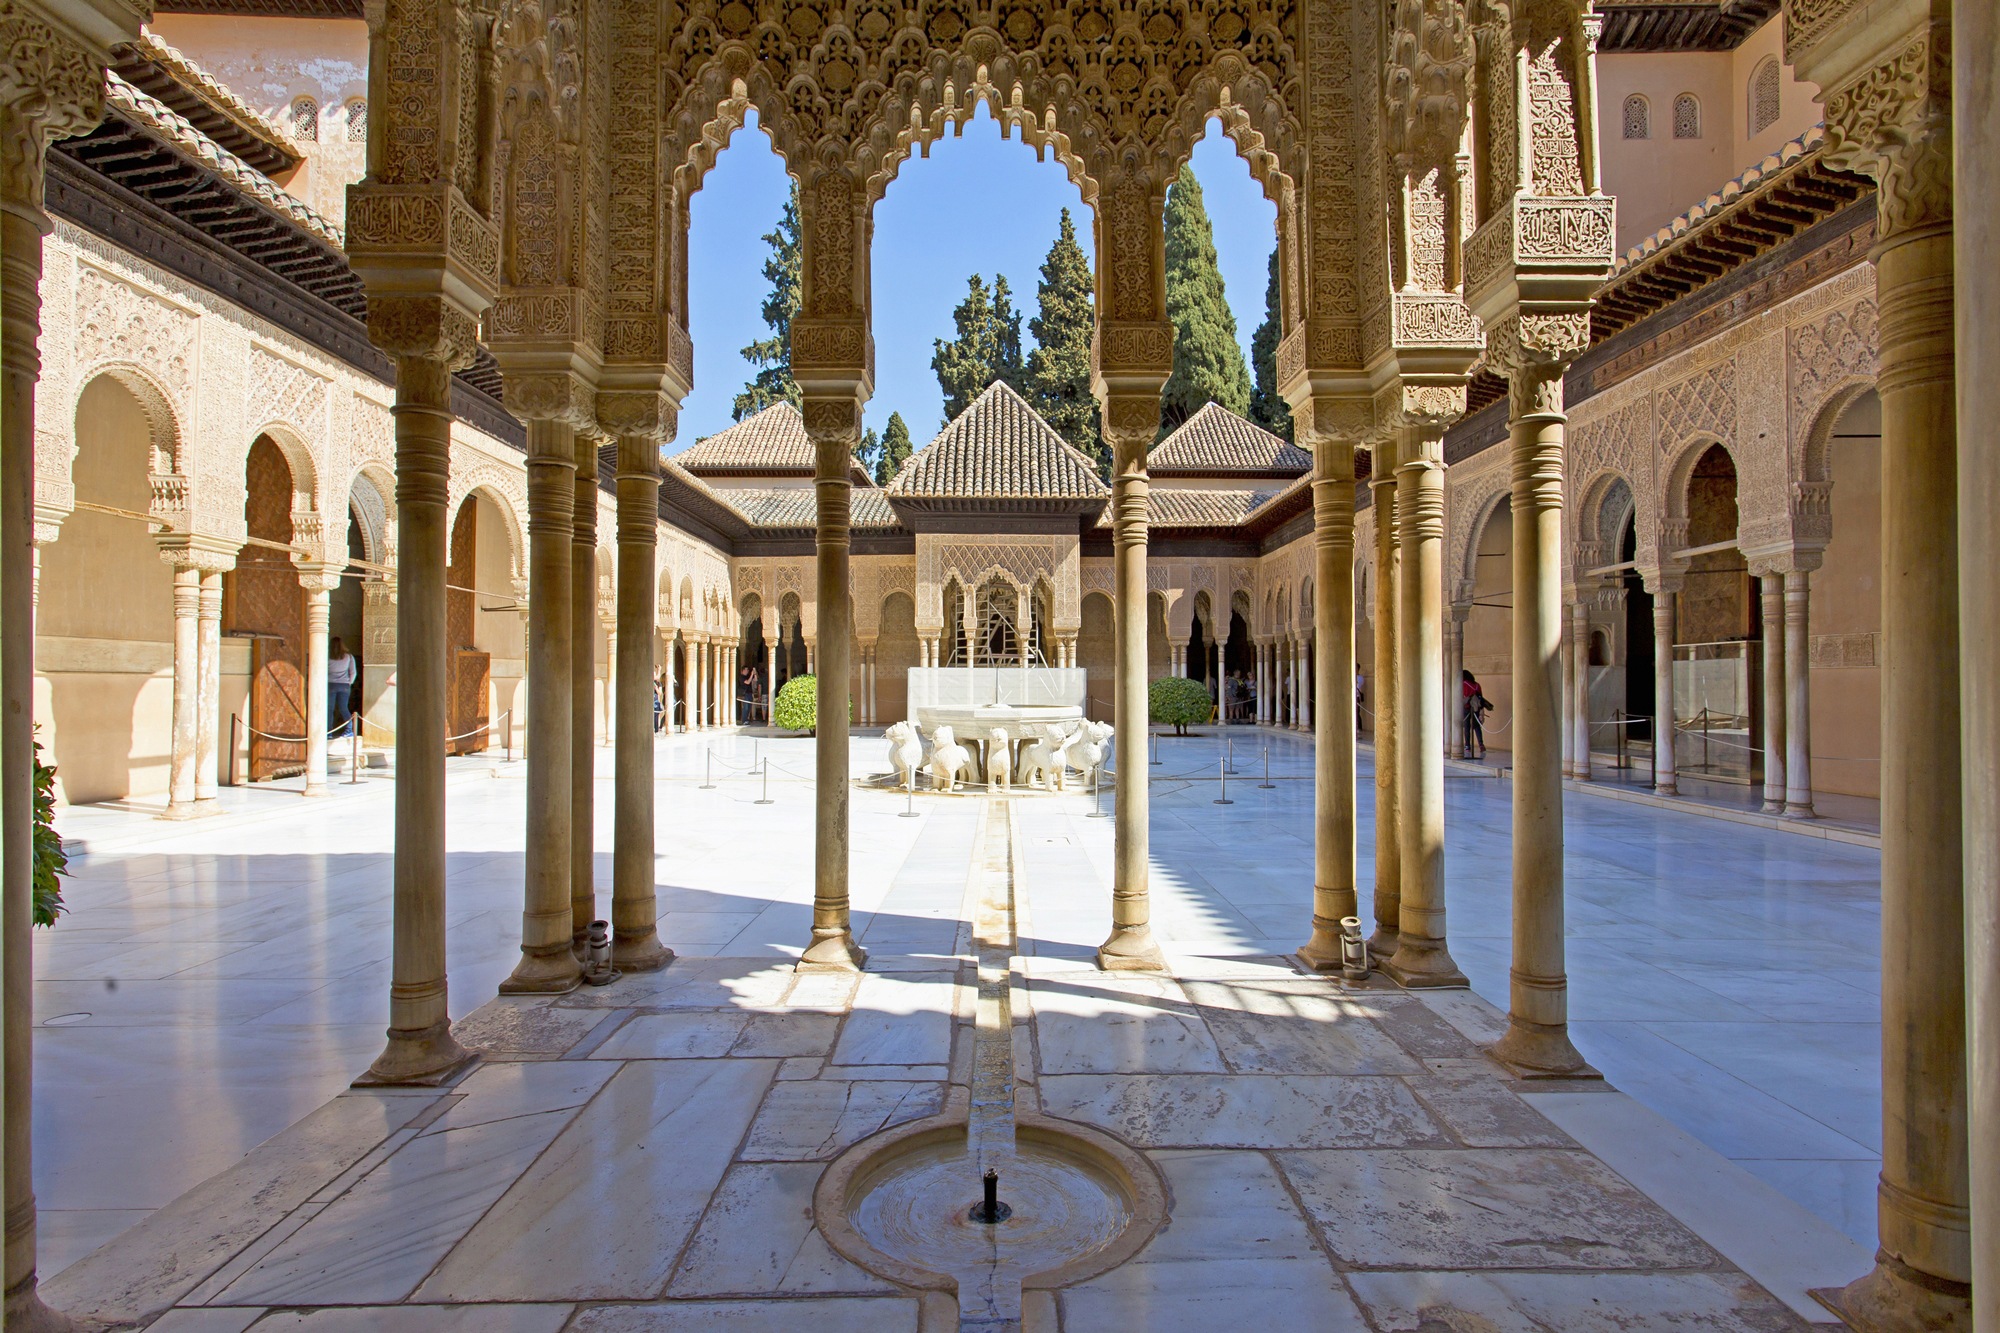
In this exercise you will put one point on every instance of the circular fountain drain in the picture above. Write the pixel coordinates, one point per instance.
(906, 1205)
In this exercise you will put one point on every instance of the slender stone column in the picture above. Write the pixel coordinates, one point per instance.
(635, 936)
(548, 964)
(1130, 946)
(1976, 118)
(1923, 1268)
(812, 657)
(208, 718)
(1537, 1036)
(319, 608)
(1566, 668)
(421, 1048)
(668, 683)
(1221, 653)
(1579, 655)
(1771, 593)
(1388, 592)
(835, 426)
(1454, 679)
(1664, 781)
(187, 690)
(1307, 655)
(1333, 743)
(1421, 958)
(1798, 695)
(770, 675)
(583, 695)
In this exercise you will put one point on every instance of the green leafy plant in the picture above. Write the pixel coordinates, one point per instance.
(797, 708)
(1178, 702)
(51, 861)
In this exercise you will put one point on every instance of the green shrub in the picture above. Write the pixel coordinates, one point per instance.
(51, 860)
(797, 708)
(1179, 702)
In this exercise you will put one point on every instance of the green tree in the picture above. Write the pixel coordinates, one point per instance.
(773, 355)
(895, 449)
(1058, 369)
(1208, 361)
(987, 348)
(870, 454)
(1267, 408)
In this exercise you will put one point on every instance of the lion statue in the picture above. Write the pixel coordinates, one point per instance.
(999, 760)
(949, 760)
(1089, 748)
(1044, 759)
(906, 753)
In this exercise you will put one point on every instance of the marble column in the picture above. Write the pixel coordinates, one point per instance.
(835, 425)
(770, 675)
(1307, 654)
(1454, 678)
(583, 697)
(1537, 1037)
(812, 657)
(1566, 723)
(635, 935)
(1421, 957)
(668, 682)
(1923, 1266)
(187, 690)
(1771, 594)
(1798, 695)
(318, 588)
(1221, 645)
(421, 1048)
(1664, 781)
(1333, 742)
(208, 720)
(548, 963)
(1579, 656)
(1388, 750)
(1130, 945)
(1976, 116)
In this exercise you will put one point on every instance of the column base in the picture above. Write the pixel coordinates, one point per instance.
(1321, 953)
(1666, 789)
(1424, 965)
(1894, 1298)
(1772, 808)
(1382, 945)
(640, 953)
(26, 1313)
(1537, 1050)
(423, 1058)
(833, 951)
(1131, 949)
(1800, 810)
(554, 972)
(182, 810)
(320, 790)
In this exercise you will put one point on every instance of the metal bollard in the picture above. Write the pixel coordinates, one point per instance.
(708, 772)
(1224, 773)
(353, 755)
(909, 802)
(1096, 788)
(1229, 759)
(1267, 784)
(765, 799)
(1156, 747)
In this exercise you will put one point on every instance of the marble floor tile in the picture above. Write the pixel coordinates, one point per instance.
(1204, 1296)
(64, 1235)
(1569, 1303)
(419, 1319)
(1499, 1208)
(815, 1120)
(1227, 1205)
(823, 1314)
(205, 1321)
(1224, 1111)
(1105, 1027)
(601, 1214)
(1277, 1029)
(898, 1019)
(758, 1237)
(516, 1026)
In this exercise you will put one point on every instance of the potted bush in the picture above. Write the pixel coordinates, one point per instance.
(797, 705)
(1178, 702)
(51, 861)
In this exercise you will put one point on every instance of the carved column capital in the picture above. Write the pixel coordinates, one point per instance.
(1893, 122)
(423, 328)
(51, 86)
(557, 396)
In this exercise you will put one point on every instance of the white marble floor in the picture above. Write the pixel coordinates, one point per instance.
(218, 981)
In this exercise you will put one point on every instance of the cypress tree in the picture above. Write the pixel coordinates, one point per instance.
(773, 355)
(987, 348)
(895, 449)
(1267, 408)
(1208, 361)
(1059, 368)
(870, 454)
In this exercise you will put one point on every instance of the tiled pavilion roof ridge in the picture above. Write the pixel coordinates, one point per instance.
(769, 443)
(999, 448)
(1217, 442)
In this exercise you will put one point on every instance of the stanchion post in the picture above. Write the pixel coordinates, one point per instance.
(765, 767)
(353, 754)
(1096, 788)
(708, 770)
(1224, 772)
(1156, 747)
(909, 802)
(1229, 761)
(1267, 784)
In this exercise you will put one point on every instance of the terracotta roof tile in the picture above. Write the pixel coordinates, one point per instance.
(773, 440)
(1217, 442)
(1174, 507)
(798, 506)
(998, 448)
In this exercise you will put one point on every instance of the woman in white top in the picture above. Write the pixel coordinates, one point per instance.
(340, 674)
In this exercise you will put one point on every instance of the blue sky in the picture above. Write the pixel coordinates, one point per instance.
(978, 203)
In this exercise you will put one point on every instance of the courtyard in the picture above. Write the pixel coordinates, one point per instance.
(645, 1154)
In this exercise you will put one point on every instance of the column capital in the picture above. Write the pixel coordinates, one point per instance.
(187, 550)
(1891, 120)
(318, 576)
(423, 327)
(51, 86)
(563, 397)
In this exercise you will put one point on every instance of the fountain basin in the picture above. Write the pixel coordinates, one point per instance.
(900, 1205)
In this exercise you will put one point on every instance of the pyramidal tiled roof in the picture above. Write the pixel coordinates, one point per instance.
(773, 440)
(1175, 507)
(1217, 442)
(798, 507)
(999, 449)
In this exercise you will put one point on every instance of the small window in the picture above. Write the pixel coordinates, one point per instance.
(1638, 118)
(357, 121)
(1764, 96)
(305, 120)
(1687, 117)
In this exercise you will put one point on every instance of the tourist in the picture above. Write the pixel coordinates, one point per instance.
(340, 674)
(1472, 716)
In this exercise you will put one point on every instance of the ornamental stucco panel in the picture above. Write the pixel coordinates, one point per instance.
(1473, 492)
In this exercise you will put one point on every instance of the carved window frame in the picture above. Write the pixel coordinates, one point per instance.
(357, 120)
(1765, 103)
(305, 119)
(1638, 117)
(1687, 116)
